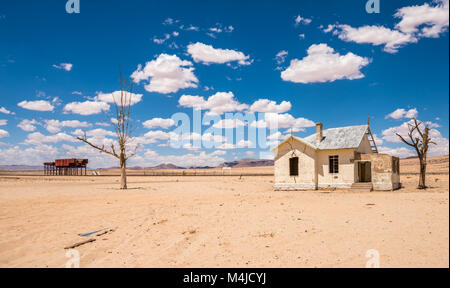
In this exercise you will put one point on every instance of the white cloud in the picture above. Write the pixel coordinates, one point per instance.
(63, 66)
(3, 122)
(158, 122)
(38, 105)
(5, 111)
(229, 124)
(401, 152)
(35, 155)
(267, 106)
(376, 35)
(166, 74)
(402, 113)
(227, 146)
(442, 143)
(54, 126)
(300, 20)
(329, 28)
(207, 54)
(274, 120)
(37, 138)
(161, 40)
(244, 143)
(117, 95)
(28, 125)
(276, 136)
(425, 20)
(3, 133)
(187, 160)
(281, 57)
(259, 124)
(324, 65)
(86, 108)
(217, 104)
(170, 21)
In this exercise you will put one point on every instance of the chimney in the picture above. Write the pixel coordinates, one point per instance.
(319, 134)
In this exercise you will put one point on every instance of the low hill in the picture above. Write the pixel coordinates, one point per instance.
(247, 163)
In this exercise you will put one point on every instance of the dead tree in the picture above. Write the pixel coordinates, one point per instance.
(122, 125)
(419, 141)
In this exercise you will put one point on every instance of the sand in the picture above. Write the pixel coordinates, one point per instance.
(214, 221)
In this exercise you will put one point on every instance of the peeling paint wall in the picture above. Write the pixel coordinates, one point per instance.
(306, 163)
(385, 176)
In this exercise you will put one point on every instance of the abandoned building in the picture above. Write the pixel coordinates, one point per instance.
(66, 167)
(345, 157)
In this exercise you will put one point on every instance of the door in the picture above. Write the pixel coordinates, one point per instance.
(364, 171)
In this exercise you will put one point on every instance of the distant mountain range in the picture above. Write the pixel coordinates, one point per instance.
(247, 163)
(235, 164)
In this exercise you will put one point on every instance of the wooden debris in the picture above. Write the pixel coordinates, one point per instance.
(80, 243)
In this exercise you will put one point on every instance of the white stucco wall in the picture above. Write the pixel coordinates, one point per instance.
(346, 175)
(306, 163)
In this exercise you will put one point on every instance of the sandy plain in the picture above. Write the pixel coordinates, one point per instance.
(221, 221)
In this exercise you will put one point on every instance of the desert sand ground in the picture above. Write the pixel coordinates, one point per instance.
(214, 221)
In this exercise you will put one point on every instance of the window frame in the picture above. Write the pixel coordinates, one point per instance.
(293, 169)
(333, 164)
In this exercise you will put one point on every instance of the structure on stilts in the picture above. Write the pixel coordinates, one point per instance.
(66, 167)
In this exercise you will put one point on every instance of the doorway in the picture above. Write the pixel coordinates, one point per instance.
(365, 171)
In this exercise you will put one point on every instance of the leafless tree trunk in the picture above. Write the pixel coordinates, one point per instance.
(420, 142)
(123, 130)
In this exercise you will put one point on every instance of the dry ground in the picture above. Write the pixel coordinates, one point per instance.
(213, 221)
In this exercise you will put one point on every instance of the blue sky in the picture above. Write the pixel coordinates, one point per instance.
(337, 64)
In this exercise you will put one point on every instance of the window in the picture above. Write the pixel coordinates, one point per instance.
(293, 166)
(333, 164)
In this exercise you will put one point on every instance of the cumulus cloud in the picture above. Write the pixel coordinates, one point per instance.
(402, 113)
(275, 120)
(63, 66)
(229, 124)
(216, 104)
(158, 122)
(3, 133)
(401, 152)
(207, 54)
(267, 106)
(116, 96)
(38, 105)
(324, 65)
(376, 35)
(28, 125)
(34, 155)
(166, 74)
(187, 160)
(86, 108)
(6, 111)
(426, 20)
(37, 138)
(54, 126)
(3, 122)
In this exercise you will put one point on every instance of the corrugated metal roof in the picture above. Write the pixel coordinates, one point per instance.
(338, 138)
